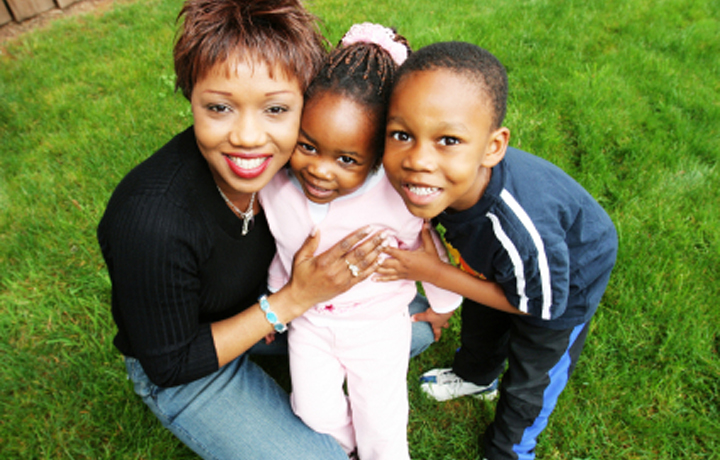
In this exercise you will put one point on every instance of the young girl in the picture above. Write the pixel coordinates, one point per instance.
(337, 184)
(187, 247)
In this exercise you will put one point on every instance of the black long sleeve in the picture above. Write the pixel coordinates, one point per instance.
(178, 262)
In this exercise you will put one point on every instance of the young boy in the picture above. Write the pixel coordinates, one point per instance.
(536, 250)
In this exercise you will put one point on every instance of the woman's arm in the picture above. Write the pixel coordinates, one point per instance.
(314, 279)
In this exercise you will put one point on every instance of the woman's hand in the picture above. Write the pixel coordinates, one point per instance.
(315, 279)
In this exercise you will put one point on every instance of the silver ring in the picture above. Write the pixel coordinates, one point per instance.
(353, 269)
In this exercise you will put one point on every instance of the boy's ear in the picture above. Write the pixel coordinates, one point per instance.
(496, 147)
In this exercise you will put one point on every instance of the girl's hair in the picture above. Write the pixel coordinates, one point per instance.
(363, 71)
(478, 65)
(276, 32)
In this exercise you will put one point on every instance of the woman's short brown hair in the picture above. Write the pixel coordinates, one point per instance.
(277, 32)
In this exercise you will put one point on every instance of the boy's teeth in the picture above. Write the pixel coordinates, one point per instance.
(417, 190)
(247, 163)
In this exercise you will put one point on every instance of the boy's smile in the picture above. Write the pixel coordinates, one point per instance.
(440, 142)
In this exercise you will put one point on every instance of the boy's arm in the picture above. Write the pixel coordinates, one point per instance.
(424, 264)
(471, 287)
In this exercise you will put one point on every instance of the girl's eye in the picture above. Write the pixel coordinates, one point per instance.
(277, 110)
(346, 160)
(307, 147)
(449, 140)
(400, 136)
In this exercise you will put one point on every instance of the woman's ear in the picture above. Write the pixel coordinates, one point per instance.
(496, 147)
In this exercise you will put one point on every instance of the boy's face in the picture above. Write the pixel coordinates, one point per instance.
(246, 123)
(336, 148)
(440, 144)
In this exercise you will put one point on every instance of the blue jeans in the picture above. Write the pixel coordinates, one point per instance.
(239, 412)
(422, 334)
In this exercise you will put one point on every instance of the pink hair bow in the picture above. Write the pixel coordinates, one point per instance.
(380, 35)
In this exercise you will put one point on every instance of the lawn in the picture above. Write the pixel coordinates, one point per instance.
(623, 95)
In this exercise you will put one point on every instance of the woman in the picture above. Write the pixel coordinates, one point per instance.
(187, 245)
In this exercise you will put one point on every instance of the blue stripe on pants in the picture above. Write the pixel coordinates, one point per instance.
(559, 375)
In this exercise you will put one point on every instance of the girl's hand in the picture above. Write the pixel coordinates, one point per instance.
(315, 279)
(417, 265)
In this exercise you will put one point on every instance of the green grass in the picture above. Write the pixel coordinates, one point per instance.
(624, 95)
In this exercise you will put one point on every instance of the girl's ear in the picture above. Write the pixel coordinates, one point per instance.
(496, 147)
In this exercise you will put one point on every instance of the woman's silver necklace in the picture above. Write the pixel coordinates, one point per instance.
(247, 216)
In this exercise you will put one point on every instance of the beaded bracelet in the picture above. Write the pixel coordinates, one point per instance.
(270, 315)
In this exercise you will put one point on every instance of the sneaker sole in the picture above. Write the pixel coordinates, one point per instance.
(487, 396)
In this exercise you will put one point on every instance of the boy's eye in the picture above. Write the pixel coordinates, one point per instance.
(400, 136)
(307, 147)
(346, 160)
(449, 140)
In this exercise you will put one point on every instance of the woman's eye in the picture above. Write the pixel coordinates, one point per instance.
(400, 136)
(449, 140)
(307, 147)
(219, 108)
(277, 110)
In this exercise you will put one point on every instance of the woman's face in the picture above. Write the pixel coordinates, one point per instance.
(246, 122)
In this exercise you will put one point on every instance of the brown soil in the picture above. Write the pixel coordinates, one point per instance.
(13, 29)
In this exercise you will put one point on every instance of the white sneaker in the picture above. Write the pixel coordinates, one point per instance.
(443, 385)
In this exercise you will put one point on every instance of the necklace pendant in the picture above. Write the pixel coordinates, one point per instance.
(246, 225)
(247, 216)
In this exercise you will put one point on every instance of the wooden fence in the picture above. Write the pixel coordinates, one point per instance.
(20, 10)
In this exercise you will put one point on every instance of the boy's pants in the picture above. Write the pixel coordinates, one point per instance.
(539, 364)
(373, 359)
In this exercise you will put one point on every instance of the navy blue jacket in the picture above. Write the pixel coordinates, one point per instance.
(541, 236)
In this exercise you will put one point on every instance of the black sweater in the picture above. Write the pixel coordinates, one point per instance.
(178, 262)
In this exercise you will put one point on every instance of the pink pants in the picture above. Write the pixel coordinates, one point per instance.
(373, 359)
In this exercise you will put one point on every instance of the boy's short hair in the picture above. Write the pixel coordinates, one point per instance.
(477, 64)
(276, 32)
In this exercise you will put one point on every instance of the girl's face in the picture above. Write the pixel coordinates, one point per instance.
(246, 123)
(336, 148)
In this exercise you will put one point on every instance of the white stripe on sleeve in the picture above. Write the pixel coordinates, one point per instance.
(514, 258)
(542, 261)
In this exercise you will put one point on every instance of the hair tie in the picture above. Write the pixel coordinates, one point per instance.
(382, 36)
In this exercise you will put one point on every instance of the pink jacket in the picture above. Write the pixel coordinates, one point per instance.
(292, 217)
